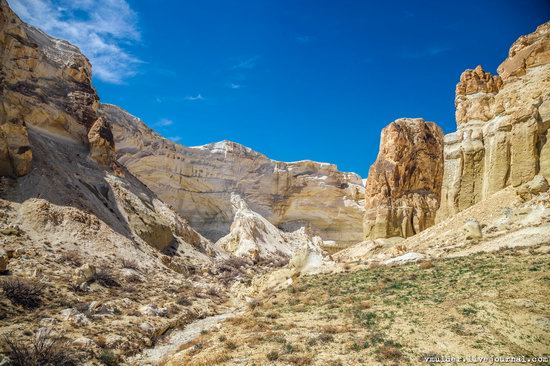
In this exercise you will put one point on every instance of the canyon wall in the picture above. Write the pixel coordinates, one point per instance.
(503, 122)
(199, 181)
(44, 83)
(403, 187)
(55, 146)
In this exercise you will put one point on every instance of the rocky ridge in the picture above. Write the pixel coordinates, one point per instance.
(199, 181)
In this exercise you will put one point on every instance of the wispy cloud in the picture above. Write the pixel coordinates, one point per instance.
(248, 63)
(235, 86)
(194, 98)
(100, 28)
(164, 122)
(174, 138)
(303, 39)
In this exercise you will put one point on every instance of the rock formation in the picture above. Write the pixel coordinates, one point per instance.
(49, 116)
(503, 126)
(253, 236)
(198, 183)
(403, 188)
(46, 84)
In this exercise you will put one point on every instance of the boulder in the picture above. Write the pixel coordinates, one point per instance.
(84, 273)
(472, 229)
(536, 186)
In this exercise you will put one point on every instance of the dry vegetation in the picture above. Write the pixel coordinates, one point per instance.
(487, 304)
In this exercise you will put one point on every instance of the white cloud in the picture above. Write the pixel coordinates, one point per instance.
(164, 122)
(235, 86)
(194, 98)
(100, 28)
(175, 138)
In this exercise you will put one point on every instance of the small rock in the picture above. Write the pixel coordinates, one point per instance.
(153, 310)
(11, 230)
(83, 342)
(472, 229)
(84, 273)
(75, 317)
(536, 186)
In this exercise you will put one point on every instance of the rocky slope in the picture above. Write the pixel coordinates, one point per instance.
(503, 126)
(198, 183)
(404, 183)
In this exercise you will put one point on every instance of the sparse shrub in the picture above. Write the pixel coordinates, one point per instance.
(72, 258)
(301, 360)
(130, 264)
(183, 301)
(105, 278)
(426, 265)
(133, 278)
(389, 352)
(222, 338)
(326, 338)
(231, 345)
(44, 350)
(272, 356)
(107, 357)
(25, 293)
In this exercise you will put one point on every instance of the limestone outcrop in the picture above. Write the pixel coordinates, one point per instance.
(198, 183)
(252, 236)
(45, 84)
(403, 187)
(503, 121)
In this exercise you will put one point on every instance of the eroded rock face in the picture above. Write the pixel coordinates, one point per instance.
(45, 84)
(198, 183)
(252, 236)
(503, 126)
(403, 187)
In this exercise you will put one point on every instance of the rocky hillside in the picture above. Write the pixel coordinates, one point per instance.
(404, 184)
(198, 183)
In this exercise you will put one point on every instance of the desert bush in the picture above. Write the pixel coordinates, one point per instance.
(272, 355)
(130, 264)
(389, 353)
(183, 301)
(426, 265)
(300, 360)
(105, 278)
(326, 338)
(71, 257)
(231, 345)
(25, 293)
(44, 350)
(107, 357)
(133, 278)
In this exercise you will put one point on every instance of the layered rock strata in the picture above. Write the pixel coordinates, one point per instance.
(198, 183)
(503, 122)
(403, 187)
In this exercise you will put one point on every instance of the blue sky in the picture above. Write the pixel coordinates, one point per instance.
(292, 79)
